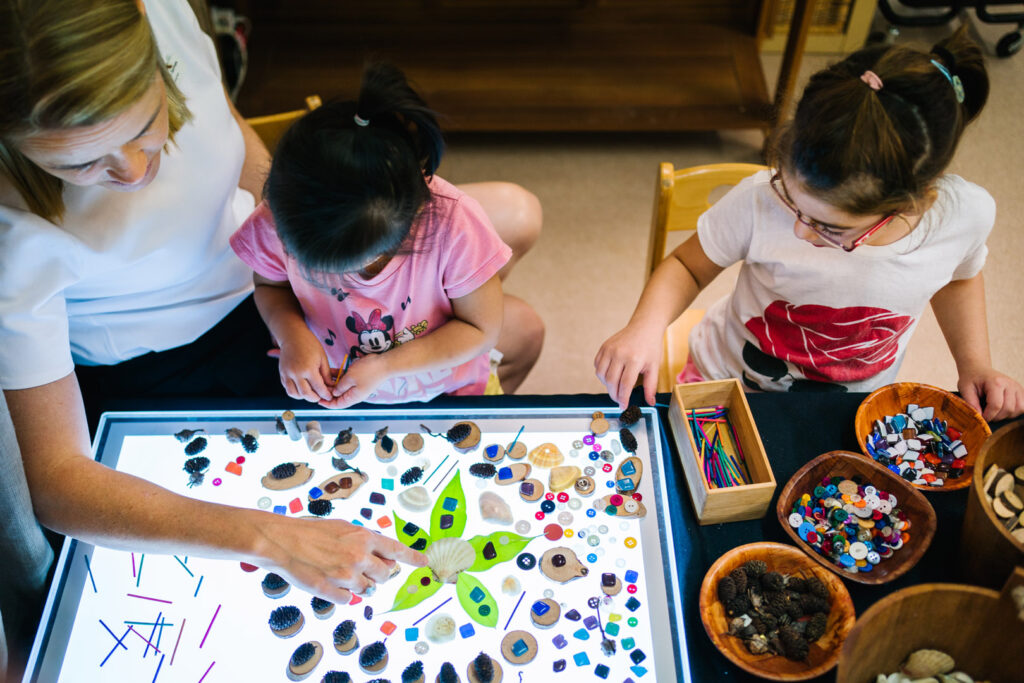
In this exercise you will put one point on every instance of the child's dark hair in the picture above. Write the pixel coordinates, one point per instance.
(868, 151)
(349, 178)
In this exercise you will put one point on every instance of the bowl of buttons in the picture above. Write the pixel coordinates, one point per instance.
(929, 436)
(774, 613)
(856, 518)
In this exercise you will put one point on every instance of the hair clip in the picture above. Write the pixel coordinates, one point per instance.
(360, 121)
(872, 80)
(954, 80)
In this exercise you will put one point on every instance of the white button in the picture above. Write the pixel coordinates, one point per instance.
(858, 550)
(796, 519)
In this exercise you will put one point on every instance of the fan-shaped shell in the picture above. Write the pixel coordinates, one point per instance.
(546, 455)
(415, 498)
(446, 557)
(926, 663)
(493, 508)
(564, 477)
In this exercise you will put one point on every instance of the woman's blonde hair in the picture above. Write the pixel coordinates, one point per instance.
(69, 63)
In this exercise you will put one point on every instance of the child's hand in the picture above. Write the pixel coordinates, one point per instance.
(1003, 396)
(305, 370)
(627, 354)
(362, 379)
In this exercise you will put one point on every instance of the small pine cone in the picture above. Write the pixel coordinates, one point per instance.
(794, 646)
(739, 577)
(816, 627)
(796, 584)
(755, 568)
(816, 586)
(772, 581)
(726, 589)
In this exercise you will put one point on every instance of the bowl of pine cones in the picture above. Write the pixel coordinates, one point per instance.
(774, 612)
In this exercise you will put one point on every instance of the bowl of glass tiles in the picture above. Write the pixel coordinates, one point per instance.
(797, 627)
(856, 518)
(929, 436)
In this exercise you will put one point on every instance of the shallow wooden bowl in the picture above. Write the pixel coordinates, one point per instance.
(988, 551)
(848, 464)
(894, 398)
(957, 619)
(823, 654)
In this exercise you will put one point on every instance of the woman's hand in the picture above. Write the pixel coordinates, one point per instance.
(632, 351)
(362, 379)
(305, 370)
(1001, 396)
(331, 558)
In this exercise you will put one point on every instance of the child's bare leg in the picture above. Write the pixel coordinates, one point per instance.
(521, 339)
(515, 212)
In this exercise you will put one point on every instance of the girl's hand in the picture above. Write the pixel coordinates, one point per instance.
(362, 379)
(305, 370)
(333, 559)
(627, 354)
(1003, 396)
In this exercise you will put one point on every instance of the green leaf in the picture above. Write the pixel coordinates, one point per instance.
(454, 492)
(506, 546)
(404, 536)
(484, 612)
(413, 592)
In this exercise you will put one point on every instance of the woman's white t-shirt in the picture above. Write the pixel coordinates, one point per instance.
(130, 273)
(809, 318)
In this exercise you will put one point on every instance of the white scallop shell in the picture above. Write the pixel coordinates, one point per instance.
(926, 663)
(493, 508)
(446, 557)
(440, 628)
(415, 498)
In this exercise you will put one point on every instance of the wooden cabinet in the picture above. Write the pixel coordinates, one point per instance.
(524, 65)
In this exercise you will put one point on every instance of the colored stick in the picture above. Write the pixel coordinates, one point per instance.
(203, 642)
(514, 610)
(89, 569)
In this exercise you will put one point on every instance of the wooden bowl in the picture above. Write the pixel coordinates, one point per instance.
(823, 654)
(987, 550)
(847, 464)
(894, 398)
(950, 617)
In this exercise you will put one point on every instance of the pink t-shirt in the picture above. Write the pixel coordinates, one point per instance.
(411, 297)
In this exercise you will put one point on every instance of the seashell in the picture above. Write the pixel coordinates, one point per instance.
(510, 585)
(546, 455)
(440, 628)
(446, 557)
(956, 677)
(925, 663)
(563, 477)
(493, 508)
(415, 498)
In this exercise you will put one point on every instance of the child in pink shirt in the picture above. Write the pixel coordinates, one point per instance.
(361, 254)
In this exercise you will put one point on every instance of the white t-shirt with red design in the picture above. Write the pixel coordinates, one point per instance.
(808, 318)
(453, 256)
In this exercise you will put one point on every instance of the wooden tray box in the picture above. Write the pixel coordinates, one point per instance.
(736, 503)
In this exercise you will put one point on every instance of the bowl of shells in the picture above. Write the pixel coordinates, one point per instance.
(992, 537)
(775, 613)
(929, 436)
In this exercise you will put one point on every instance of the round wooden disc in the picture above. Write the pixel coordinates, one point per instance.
(508, 645)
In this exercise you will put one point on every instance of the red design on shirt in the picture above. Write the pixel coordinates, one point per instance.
(831, 344)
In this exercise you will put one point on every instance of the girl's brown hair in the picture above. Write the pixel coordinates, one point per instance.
(879, 151)
(68, 63)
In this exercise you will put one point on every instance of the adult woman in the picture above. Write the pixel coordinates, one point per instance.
(125, 168)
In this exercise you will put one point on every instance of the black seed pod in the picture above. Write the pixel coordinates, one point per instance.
(812, 603)
(796, 584)
(284, 617)
(303, 653)
(448, 674)
(195, 446)
(273, 582)
(793, 644)
(794, 610)
(630, 416)
(336, 677)
(283, 471)
(411, 476)
(459, 432)
(737, 606)
(755, 568)
(772, 581)
(320, 507)
(249, 443)
(739, 577)
(413, 672)
(484, 470)
(726, 589)
(628, 440)
(197, 465)
(372, 654)
(483, 667)
(816, 627)
(816, 586)
(344, 631)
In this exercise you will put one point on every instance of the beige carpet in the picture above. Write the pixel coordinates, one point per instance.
(586, 272)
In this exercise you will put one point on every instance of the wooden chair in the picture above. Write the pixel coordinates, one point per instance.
(680, 198)
(271, 128)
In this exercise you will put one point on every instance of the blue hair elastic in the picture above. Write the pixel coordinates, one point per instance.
(958, 86)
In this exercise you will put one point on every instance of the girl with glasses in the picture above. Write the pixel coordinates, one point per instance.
(855, 230)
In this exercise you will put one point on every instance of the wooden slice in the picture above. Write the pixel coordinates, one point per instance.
(342, 485)
(301, 476)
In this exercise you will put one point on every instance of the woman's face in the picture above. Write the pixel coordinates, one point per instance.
(122, 153)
